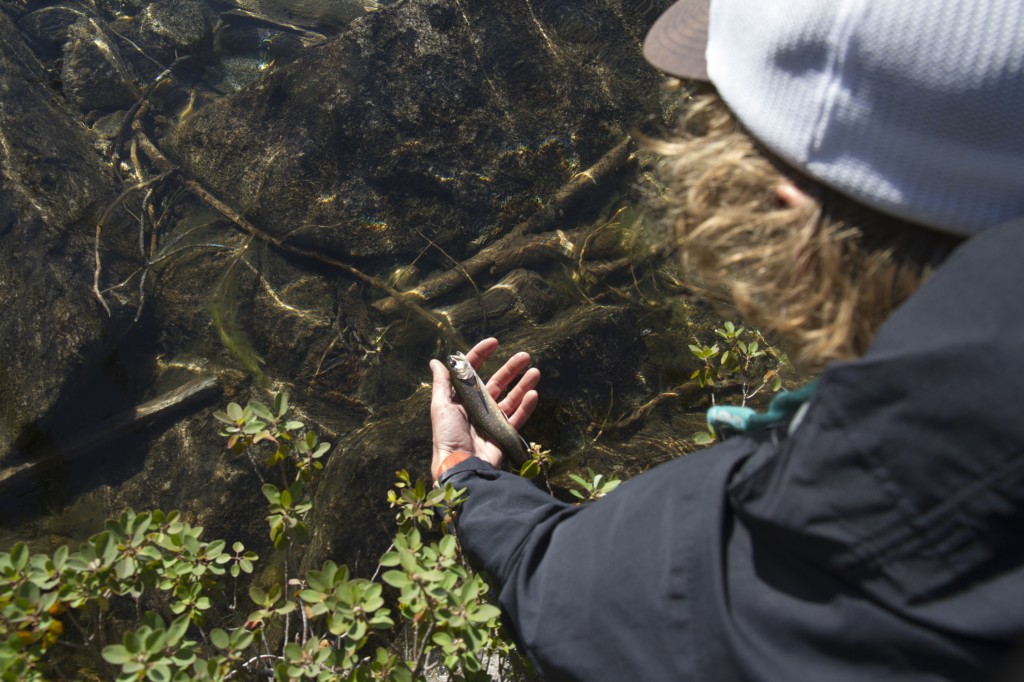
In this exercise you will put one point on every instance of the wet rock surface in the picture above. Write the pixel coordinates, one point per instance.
(439, 121)
(93, 73)
(52, 189)
(177, 27)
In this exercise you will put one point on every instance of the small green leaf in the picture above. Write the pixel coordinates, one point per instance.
(261, 410)
(530, 469)
(258, 596)
(176, 631)
(397, 579)
(116, 654)
(271, 492)
(160, 672)
(312, 596)
(703, 438)
(293, 652)
(281, 404)
(219, 638)
(484, 613)
(241, 639)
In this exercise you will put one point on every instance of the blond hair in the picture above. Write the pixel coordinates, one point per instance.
(821, 276)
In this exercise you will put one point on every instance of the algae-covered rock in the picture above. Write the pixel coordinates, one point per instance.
(177, 27)
(94, 75)
(52, 188)
(424, 120)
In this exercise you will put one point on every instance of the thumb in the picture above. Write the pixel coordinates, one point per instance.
(441, 391)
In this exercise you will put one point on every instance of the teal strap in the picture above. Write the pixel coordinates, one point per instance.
(781, 409)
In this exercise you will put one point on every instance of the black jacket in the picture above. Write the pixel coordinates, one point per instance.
(883, 539)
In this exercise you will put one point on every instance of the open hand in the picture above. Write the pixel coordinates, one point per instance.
(451, 428)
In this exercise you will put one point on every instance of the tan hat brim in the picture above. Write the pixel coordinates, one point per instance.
(678, 39)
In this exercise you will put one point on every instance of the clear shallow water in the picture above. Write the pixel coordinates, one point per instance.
(585, 288)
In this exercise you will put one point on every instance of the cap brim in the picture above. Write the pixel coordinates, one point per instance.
(677, 41)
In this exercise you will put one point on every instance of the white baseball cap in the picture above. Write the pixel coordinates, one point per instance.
(913, 107)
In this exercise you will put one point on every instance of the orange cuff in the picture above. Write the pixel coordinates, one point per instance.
(451, 460)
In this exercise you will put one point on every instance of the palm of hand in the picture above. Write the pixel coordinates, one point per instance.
(452, 430)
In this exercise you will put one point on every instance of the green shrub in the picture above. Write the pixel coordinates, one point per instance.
(748, 361)
(148, 598)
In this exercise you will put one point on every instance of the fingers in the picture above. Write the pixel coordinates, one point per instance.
(481, 351)
(522, 399)
(450, 424)
(525, 409)
(512, 368)
(441, 389)
(527, 383)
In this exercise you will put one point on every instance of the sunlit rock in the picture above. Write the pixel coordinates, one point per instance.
(52, 189)
(439, 121)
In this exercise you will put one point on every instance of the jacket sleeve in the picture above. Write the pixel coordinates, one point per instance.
(583, 606)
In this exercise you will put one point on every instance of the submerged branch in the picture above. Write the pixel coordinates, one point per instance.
(687, 390)
(236, 217)
(432, 318)
(504, 254)
(98, 270)
(111, 428)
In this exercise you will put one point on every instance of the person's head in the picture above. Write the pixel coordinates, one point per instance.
(845, 148)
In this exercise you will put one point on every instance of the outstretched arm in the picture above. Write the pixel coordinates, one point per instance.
(572, 587)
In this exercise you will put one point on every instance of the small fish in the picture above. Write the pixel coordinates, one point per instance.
(483, 412)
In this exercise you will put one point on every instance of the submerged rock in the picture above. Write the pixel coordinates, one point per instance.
(94, 75)
(421, 121)
(177, 27)
(53, 186)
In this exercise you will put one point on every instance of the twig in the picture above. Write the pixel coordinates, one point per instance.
(380, 565)
(578, 276)
(421, 656)
(164, 256)
(305, 621)
(78, 626)
(459, 267)
(309, 38)
(605, 166)
(287, 616)
(501, 256)
(97, 272)
(101, 433)
(488, 257)
(611, 402)
(323, 356)
(642, 411)
(680, 391)
(432, 318)
(98, 269)
(255, 659)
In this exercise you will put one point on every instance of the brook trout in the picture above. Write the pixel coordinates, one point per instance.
(484, 413)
